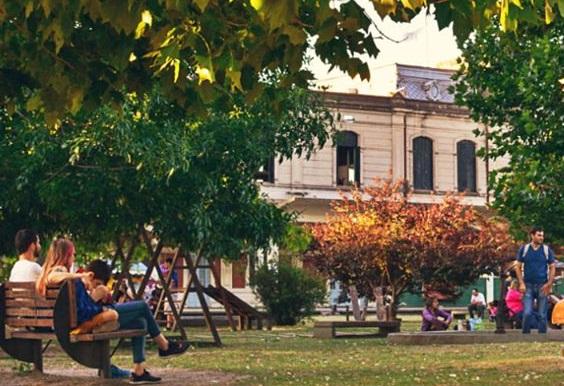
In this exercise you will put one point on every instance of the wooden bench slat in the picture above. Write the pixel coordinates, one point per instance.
(360, 323)
(30, 335)
(107, 335)
(21, 294)
(30, 303)
(20, 285)
(35, 312)
(29, 322)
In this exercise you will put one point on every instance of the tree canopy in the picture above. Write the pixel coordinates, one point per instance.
(513, 85)
(60, 56)
(106, 174)
(379, 239)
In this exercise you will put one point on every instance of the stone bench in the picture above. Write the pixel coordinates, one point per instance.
(328, 329)
(471, 337)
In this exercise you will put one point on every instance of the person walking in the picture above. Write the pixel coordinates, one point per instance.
(535, 270)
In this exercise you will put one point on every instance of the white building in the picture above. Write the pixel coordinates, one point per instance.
(406, 126)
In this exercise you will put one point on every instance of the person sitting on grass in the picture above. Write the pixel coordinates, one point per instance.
(435, 319)
(131, 315)
(514, 303)
(492, 310)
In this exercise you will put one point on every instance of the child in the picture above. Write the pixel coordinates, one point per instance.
(492, 310)
(101, 295)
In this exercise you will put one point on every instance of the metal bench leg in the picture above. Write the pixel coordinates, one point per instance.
(106, 360)
(38, 356)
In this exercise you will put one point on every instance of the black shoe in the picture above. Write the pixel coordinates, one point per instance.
(174, 348)
(143, 379)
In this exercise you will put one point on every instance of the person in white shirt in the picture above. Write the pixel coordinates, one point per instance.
(477, 304)
(28, 246)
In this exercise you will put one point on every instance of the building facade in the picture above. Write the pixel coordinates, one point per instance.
(406, 127)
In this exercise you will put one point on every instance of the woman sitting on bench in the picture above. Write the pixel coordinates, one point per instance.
(132, 315)
(435, 319)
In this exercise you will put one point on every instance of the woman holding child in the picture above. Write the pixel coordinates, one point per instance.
(93, 314)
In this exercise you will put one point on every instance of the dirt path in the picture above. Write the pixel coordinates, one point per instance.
(82, 377)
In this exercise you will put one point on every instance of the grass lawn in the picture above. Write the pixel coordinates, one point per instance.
(286, 356)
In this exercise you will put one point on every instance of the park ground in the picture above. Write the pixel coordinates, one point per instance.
(290, 356)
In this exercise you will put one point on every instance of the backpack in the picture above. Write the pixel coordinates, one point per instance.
(526, 249)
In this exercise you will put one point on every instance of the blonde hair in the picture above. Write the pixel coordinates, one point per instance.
(59, 255)
(514, 284)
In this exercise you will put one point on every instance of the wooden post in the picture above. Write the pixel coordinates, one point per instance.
(154, 263)
(200, 293)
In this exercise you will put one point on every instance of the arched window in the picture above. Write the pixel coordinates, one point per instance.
(348, 158)
(466, 166)
(422, 163)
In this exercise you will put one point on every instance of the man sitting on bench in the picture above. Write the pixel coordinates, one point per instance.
(477, 304)
(28, 247)
(435, 319)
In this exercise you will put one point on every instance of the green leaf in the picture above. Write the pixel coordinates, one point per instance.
(204, 74)
(146, 21)
(34, 102)
(548, 12)
(47, 7)
(257, 4)
(297, 35)
(385, 7)
(202, 4)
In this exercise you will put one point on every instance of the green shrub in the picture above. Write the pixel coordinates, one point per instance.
(288, 293)
(6, 264)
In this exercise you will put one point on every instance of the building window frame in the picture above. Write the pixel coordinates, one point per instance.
(348, 159)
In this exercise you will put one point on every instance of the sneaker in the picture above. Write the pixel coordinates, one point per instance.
(143, 379)
(174, 348)
(117, 373)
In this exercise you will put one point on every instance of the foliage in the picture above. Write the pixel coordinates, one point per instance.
(289, 293)
(106, 175)
(378, 238)
(513, 83)
(62, 55)
(6, 264)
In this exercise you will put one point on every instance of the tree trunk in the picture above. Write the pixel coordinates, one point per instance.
(354, 302)
(381, 313)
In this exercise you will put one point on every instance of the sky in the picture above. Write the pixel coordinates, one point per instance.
(422, 44)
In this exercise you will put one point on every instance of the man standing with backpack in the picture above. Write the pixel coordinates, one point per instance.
(535, 271)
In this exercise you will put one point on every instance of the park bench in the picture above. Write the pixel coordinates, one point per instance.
(328, 329)
(27, 319)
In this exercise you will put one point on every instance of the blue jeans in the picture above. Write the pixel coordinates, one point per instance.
(137, 315)
(532, 292)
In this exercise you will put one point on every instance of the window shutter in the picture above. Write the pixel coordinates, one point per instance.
(423, 163)
(466, 166)
(357, 165)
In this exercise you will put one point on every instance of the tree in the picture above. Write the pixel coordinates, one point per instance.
(104, 176)
(512, 85)
(377, 240)
(61, 55)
